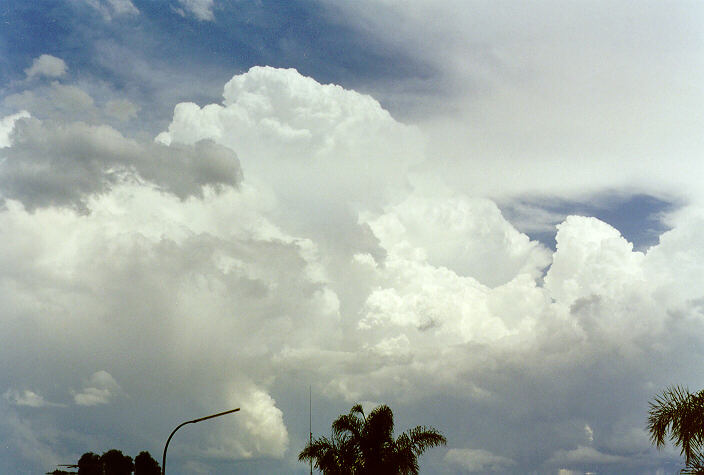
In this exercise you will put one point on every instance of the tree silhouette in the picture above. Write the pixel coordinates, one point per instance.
(89, 464)
(364, 445)
(681, 414)
(144, 464)
(112, 462)
(115, 463)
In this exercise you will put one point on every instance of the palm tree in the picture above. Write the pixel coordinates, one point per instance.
(361, 445)
(333, 456)
(680, 413)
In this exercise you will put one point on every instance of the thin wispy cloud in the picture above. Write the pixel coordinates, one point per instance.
(110, 9)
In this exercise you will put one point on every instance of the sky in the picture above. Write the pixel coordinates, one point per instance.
(485, 214)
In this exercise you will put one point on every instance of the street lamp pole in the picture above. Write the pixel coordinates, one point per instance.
(163, 460)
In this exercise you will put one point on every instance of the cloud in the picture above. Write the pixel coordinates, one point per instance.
(110, 9)
(200, 299)
(256, 431)
(201, 9)
(453, 298)
(26, 398)
(264, 422)
(28, 440)
(556, 99)
(7, 125)
(61, 164)
(330, 261)
(121, 109)
(56, 101)
(477, 241)
(477, 460)
(583, 455)
(99, 389)
(310, 145)
(121, 7)
(532, 217)
(92, 397)
(294, 135)
(46, 65)
(606, 262)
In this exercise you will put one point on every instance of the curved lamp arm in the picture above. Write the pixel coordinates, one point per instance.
(163, 460)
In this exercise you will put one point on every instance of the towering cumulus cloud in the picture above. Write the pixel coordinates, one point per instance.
(450, 299)
(301, 137)
(289, 237)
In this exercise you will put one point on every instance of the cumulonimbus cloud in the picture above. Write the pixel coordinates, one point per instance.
(186, 278)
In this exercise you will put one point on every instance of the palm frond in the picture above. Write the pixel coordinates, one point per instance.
(680, 414)
(348, 423)
(695, 466)
(422, 438)
(405, 457)
(357, 409)
(379, 425)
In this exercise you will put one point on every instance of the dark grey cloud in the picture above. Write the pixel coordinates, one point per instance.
(62, 164)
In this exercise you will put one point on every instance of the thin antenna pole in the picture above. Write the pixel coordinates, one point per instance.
(310, 423)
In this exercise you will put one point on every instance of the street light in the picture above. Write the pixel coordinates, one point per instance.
(163, 460)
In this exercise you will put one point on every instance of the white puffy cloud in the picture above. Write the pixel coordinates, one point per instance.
(92, 396)
(47, 65)
(476, 241)
(593, 258)
(478, 460)
(99, 389)
(306, 140)
(264, 423)
(7, 125)
(201, 9)
(25, 398)
(678, 249)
